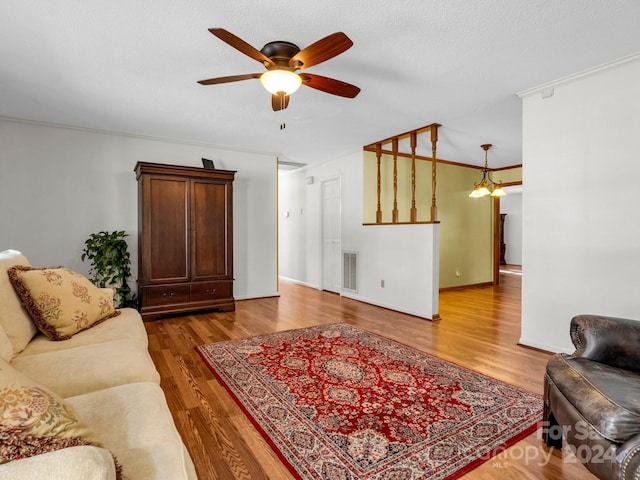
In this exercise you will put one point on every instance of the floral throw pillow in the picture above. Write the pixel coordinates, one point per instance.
(28, 408)
(34, 420)
(61, 302)
(15, 445)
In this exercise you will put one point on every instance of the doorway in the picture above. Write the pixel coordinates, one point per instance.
(331, 235)
(508, 235)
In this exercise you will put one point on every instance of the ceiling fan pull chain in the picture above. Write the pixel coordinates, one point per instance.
(283, 109)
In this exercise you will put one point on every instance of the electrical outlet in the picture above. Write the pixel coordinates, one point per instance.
(382, 283)
(457, 272)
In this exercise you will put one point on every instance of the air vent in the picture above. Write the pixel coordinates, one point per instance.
(350, 271)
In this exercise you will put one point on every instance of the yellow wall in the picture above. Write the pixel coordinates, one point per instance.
(423, 188)
(510, 175)
(466, 230)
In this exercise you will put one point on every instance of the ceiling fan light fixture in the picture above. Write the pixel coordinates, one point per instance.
(276, 81)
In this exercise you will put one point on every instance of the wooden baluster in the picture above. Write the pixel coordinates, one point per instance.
(434, 141)
(413, 214)
(379, 210)
(394, 213)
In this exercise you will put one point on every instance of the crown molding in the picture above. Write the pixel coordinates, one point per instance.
(546, 89)
(135, 135)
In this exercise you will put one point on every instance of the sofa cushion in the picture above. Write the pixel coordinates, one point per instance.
(127, 325)
(607, 397)
(61, 302)
(15, 321)
(88, 368)
(6, 349)
(32, 409)
(144, 438)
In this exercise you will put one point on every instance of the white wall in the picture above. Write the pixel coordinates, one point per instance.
(59, 184)
(581, 250)
(404, 256)
(511, 204)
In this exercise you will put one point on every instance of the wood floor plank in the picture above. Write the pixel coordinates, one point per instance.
(480, 330)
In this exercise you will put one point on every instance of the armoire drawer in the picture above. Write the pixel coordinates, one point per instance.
(165, 295)
(205, 291)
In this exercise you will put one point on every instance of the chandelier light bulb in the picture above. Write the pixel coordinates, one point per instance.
(498, 192)
(483, 191)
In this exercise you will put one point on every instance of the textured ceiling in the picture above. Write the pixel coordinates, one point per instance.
(132, 66)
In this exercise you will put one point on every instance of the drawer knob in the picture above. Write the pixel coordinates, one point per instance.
(168, 294)
(211, 291)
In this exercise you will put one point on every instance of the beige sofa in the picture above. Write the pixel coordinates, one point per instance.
(106, 375)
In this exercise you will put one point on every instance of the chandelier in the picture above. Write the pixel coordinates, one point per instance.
(487, 186)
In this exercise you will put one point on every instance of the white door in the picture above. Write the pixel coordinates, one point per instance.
(331, 245)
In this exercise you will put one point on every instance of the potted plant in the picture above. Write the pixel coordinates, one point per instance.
(110, 265)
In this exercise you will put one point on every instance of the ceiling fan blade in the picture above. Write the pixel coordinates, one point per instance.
(329, 85)
(242, 46)
(321, 51)
(232, 78)
(279, 102)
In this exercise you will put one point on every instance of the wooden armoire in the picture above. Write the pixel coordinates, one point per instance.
(185, 239)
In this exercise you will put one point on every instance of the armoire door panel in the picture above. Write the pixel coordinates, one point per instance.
(209, 218)
(168, 230)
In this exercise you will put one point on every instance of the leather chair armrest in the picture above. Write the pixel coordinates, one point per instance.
(627, 464)
(610, 340)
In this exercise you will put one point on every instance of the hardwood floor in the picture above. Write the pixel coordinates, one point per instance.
(479, 330)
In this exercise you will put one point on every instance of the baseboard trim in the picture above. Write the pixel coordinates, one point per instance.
(435, 317)
(299, 282)
(246, 297)
(544, 347)
(391, 307)
(462, 287)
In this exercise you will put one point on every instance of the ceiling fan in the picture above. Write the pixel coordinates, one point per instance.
(282, 60)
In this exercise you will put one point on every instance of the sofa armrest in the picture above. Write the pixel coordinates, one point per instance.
(627, 464)
(72, 463)
(610, 340)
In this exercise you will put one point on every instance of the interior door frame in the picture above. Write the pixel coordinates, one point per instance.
(337, 178)
(496, 234)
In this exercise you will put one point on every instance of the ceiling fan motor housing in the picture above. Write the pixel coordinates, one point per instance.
(280, 53)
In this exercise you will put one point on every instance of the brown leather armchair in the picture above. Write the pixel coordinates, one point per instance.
(592, 397)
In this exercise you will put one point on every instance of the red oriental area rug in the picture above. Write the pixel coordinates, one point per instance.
(337, 402)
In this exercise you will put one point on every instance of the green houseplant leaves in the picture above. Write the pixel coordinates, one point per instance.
(110, 264)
